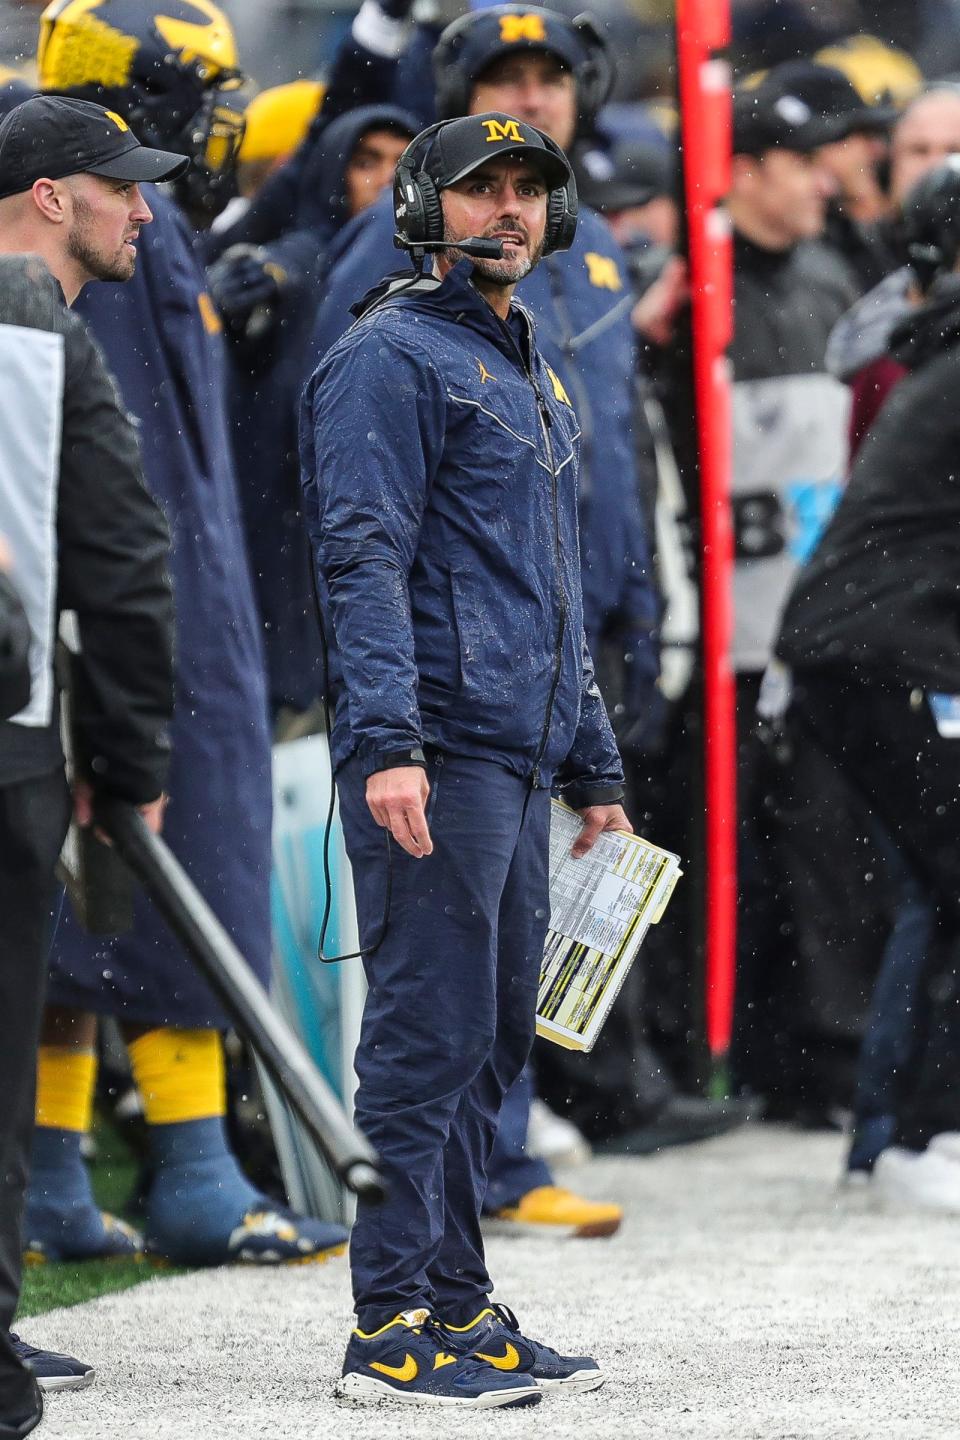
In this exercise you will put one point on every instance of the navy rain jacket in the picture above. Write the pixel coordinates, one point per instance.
(160, 335)
(440, 479)
(581, 299)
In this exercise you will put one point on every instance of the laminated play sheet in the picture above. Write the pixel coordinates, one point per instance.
(600, 909)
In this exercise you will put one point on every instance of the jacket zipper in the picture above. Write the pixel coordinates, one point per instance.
(545, 425)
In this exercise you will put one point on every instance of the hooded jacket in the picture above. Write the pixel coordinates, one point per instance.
(267, 376)
(440, 460)
(880, 597)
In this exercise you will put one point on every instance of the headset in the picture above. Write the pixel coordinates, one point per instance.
(419, 212)
(454, 81)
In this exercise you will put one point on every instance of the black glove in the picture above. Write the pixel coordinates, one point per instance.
(245, 281)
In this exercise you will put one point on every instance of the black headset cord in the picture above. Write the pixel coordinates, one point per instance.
(328, 827)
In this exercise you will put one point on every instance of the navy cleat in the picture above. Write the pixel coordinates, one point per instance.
(494, 1337)
(406, 1362)
(51, 1370)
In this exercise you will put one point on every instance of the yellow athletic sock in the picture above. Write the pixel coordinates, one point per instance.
(180, 1075)
(65, 1083)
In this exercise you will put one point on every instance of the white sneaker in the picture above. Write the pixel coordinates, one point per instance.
(947, 1144)
(905, 1180)
(554, 1139)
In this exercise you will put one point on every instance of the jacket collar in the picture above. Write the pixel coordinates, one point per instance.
(454, 298)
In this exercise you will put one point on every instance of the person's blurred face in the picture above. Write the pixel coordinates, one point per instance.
(780, 197)
(657, 221)
(534, 86)
(505, 200)
(852, 162)
(371, 167)
(105, 220)
(928, 132)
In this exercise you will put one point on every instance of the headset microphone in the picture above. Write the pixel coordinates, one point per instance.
(474, 245)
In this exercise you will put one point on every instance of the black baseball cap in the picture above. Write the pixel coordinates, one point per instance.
(50, 136)
(626, 173)
(461, 146)
(831, 94)
(771, 117)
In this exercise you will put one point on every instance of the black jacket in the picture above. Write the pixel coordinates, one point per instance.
(87, 538)
(14, 651)
(880, 597)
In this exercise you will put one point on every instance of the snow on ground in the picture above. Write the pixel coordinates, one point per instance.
(744, 1299)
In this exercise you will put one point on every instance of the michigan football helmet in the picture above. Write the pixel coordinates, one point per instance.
(169, 67)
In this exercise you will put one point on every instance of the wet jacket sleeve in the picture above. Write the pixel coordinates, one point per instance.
(113, 546)
(592, 773)
(379, 418)
(14, 651)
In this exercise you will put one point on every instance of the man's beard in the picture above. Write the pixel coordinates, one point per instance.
(507, 271)
(119, 266)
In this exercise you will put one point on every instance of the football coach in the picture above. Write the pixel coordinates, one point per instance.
(440, 461)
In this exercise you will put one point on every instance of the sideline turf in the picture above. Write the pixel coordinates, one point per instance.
(46, 1287)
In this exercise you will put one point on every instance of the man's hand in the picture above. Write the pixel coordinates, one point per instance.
(655, 312)
(398, 799)
(152, 811)
(596, 819)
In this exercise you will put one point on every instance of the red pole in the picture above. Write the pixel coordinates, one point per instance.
(703, 27)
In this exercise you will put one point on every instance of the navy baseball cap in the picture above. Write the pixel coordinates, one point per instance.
(503, 29)
(51, 136)
(462, 146)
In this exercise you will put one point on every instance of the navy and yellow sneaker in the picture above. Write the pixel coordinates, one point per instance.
(494, 1337)
(407, 1362)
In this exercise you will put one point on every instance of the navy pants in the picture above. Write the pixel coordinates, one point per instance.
(447, 1026)
(511, 1172)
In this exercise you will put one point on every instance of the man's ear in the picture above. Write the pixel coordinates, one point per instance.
(51, 199)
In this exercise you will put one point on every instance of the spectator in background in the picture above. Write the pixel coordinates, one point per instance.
(90, 539)
(789, 434)
(853, 159)
(163, 337)
(870, 634)
(926, 133)
(269, 313)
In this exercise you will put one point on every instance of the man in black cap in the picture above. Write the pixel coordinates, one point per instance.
(85, 536)
(66, 162)
(789, 459)
(852, 156)
(440, 457)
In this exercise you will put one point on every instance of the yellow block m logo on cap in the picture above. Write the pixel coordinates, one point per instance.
(514, 28)
(510, 130)
(118, 120)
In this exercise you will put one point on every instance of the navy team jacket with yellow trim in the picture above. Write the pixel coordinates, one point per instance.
(440, 480)
(581, 300)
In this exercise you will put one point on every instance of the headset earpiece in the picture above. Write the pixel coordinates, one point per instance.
(417, 209)
(563, 206)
